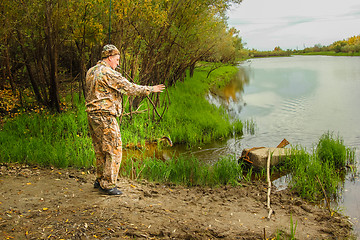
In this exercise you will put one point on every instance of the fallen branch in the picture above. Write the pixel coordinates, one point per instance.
(153, 104)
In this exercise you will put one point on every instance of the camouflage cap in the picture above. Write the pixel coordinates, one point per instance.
(109, 50)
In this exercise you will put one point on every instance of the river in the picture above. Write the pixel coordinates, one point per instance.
(298, 98)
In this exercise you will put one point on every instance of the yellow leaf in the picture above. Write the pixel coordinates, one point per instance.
(132, 186)
(29, 183)
(45, 209)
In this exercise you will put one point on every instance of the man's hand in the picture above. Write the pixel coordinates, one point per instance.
(158, 88)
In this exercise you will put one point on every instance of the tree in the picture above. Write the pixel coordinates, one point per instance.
(46, 43)
(161, 39)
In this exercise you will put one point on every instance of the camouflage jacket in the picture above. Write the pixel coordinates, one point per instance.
(104, 87)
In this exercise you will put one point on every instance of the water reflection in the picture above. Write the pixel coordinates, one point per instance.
(230, 97)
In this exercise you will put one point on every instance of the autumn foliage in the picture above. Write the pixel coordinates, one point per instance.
(350, 45)
(47, 46)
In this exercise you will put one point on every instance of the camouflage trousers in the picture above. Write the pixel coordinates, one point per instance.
(106, 138)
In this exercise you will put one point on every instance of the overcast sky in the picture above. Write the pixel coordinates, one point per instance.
(290, 24)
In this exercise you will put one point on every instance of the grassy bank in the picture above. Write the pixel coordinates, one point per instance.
(190, 119)
(330, 53)
(263, 54)
(62, 140)
(318, 174)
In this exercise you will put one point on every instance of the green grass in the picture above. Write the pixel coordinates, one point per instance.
(185, 171)
(332, 150)
(292, 228)
(324, 163)
(280, 234)
(190, 106)
(59, 140)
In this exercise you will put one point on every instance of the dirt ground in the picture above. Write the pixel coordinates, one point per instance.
(38, 203)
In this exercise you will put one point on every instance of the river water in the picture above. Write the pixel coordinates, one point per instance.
(298, 98)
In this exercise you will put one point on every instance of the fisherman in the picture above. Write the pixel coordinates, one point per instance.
(104, 89)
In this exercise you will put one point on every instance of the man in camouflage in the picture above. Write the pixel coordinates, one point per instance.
(104, 88)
